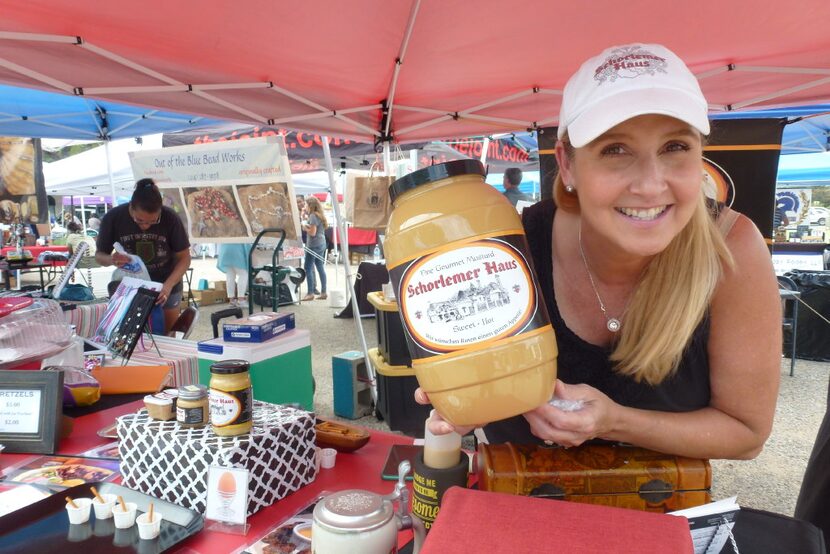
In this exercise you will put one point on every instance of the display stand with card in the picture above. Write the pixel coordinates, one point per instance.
(227, 500)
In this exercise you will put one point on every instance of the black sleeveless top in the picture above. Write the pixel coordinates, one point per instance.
(581, 362)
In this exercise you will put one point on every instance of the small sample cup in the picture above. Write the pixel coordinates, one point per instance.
(103, 510)
(81, 513)
(124, 520)
(147, 529)
(327, 456)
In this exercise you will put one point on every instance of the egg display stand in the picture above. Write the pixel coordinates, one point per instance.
(278, 273)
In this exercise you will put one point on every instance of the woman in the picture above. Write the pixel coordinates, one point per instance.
(666, 313)
(315, 255)
(156, 234)
(232, 260)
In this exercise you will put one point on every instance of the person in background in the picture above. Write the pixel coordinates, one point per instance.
(69, 217)
(93, 222)
(303, 215)
(512, 180)
(154, 233)
(75, 236)
(665, 304)
(315, 228)
(232, 260)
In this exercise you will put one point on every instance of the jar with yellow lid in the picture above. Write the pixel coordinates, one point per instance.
(192, 406)
(231, 397)
(482, 345)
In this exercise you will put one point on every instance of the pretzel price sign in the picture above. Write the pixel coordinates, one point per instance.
(19, 410)
(30, 410)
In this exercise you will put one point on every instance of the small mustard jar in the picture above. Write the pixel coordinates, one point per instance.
(192, 406)
(231, 398)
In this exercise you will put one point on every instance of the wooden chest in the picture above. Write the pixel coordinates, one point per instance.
(611, 475)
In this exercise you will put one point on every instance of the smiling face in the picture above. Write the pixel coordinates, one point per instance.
(637, 184)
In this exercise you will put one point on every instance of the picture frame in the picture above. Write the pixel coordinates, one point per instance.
(31, 407)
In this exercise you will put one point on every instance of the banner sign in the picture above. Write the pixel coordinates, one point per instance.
(740, 165)
(22, 188)
(225, 191)
(305, 150)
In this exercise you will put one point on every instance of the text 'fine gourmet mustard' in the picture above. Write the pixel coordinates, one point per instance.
(476, 325)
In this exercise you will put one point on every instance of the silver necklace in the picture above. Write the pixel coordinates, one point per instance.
(612, 323)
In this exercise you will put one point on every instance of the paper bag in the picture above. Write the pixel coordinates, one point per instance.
(367, 201)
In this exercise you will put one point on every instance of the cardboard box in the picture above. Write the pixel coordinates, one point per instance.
(258, 327)
(221, 286)
(209, 296)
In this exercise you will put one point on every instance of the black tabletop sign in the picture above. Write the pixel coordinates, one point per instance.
(30, 410)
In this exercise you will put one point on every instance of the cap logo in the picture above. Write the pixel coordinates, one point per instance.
(629, 62)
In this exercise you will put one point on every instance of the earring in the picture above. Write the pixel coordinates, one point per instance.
(569, 189)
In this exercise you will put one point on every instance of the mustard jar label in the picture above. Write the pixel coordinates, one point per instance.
(467, 294)
(230, 408)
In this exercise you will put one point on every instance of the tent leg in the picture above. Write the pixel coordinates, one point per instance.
(344, 243)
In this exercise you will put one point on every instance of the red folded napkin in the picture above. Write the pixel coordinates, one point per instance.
(477, 521)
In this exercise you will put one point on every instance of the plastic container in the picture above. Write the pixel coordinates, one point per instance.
(396, 397)
(34, 332)
(327, 458)
(80, 512)
(148, 530)
(482, 346)
(391, 338)
(124, 520)
(103, 510)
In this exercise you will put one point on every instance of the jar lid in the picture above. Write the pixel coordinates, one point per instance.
(192, 392)
(352, 511)
(435, 173)
(226, 367)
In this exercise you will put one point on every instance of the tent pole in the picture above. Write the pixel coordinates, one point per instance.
(484, 148)
(109, 176)
(387, 158)
(83, 215)
(342, 227)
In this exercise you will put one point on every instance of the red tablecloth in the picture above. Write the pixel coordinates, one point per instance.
(360, 237)
(360, 469)
(36, 250)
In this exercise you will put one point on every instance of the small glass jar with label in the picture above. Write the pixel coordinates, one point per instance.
(231, 398)
(192, 406)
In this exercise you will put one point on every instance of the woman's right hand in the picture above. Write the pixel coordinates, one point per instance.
(437, 424)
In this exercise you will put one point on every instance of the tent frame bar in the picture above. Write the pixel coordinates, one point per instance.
(393, 84)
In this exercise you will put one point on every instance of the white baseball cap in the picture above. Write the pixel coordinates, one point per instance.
(626, 81)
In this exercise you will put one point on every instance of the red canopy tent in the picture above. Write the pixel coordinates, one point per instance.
(409, 69)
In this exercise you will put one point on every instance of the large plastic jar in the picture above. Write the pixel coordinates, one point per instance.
(475, 322)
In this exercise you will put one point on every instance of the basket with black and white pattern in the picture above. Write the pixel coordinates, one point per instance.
(170, 462)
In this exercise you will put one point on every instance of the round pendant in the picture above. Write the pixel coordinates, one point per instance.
(613, 324)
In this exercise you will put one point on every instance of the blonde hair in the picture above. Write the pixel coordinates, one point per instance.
(314, 208)
(672, 297)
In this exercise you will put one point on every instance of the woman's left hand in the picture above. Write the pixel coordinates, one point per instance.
(571, 428)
